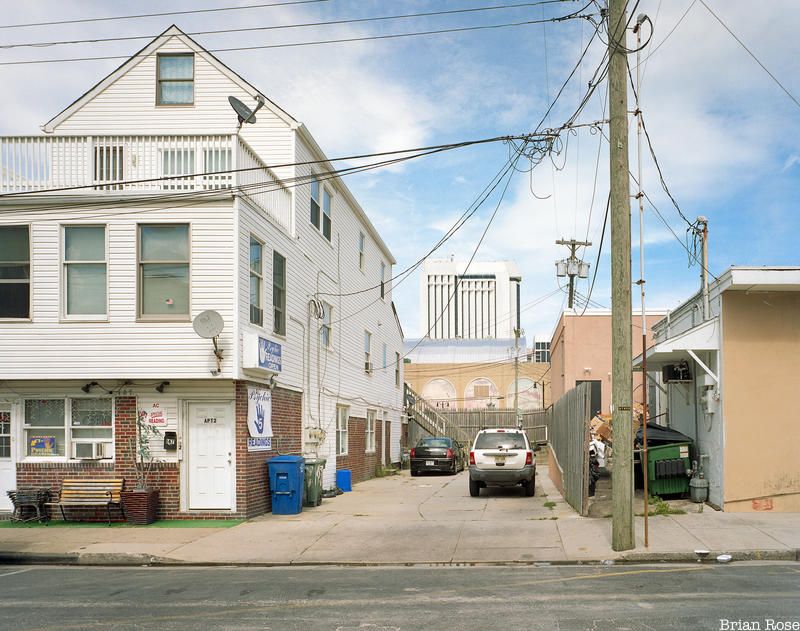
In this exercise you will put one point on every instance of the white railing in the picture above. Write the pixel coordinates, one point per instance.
(91, 164)
(262, 187)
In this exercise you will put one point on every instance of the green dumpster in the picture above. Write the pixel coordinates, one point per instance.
(667, 467)
(313, 490)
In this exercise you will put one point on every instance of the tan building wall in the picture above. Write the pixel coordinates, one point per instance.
(463, 378)
(580, 350)
(761, 363)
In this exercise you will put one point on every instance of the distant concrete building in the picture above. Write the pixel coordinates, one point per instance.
(455, 375)
(478, 301)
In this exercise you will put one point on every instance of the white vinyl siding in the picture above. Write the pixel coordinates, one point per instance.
(325, 326)
(367, 352)
(85, 272)
(361, 243)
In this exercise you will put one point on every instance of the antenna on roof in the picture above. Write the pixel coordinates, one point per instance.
(245, 114)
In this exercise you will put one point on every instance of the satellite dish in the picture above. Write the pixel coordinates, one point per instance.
(245, 114)
(208, 324)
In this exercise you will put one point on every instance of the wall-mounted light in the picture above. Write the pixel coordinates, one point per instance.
(160, 387)
(89, 386)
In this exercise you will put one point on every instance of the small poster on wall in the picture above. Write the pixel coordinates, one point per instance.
(259, 419)
(43, 446)
(153, 412)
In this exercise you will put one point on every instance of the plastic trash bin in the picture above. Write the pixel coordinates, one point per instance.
(286, 474)
(344, 479)
(314, 468)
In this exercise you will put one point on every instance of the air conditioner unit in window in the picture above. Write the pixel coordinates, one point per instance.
(367, 366)
(92, 451)
(676, 373)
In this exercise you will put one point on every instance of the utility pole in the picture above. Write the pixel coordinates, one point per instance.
(640, 19)
(622, 534)
(572, 266)
(702, 227)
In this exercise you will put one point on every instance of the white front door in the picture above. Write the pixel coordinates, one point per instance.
(8, 465)
(211, 450)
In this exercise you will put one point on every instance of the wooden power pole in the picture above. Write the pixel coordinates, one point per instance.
(623, 536)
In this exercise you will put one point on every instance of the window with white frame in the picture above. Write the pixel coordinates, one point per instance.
(15, 272)
(342, 416)
(367, 352)
(361, 245)
(315, 203)
(175, 79)
(325, 328)
(164, 271)
(369, 432)
(327, 202)
(80, 428)
(256, 281)
(383, 356)
(383, 279)
(397, 369)
(278, 294)
(85, 271)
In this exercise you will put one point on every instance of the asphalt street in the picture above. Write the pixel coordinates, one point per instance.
(630, 597)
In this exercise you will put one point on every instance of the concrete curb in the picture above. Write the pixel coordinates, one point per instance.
(139, 560)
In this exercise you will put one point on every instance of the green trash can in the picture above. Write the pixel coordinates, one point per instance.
(667, 466)
(313, 490)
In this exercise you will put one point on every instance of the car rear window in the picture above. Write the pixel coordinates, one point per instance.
(434, 442)
(495, 440)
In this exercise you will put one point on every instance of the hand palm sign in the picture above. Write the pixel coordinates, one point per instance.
(259, 418)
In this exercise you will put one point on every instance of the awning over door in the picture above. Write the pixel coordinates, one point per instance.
(704, 337)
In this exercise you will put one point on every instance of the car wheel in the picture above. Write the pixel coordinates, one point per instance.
(530, 487)
(474, 488)
(414, 472)
(454, 468)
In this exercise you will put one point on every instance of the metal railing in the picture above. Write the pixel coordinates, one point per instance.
(142, 163)
(429, 418)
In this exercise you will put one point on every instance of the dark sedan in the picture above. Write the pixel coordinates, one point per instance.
(439, 453)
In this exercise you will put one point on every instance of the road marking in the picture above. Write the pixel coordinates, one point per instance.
(17, 572)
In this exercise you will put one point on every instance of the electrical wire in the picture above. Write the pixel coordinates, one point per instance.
(750, 52)
(345, 40)
(274, 27)
(599, 251)
(265, 5)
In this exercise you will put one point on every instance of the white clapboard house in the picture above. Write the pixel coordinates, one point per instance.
(139, 210)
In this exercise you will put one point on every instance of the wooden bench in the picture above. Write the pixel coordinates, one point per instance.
(90, 492)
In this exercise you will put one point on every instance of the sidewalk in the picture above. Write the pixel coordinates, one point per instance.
(421, 520)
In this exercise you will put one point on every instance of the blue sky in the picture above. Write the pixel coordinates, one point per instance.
(727, 137)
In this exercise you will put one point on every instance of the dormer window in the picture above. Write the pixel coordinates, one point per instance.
(175, 79)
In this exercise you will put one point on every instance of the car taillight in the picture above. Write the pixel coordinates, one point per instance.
(449, 453)
(412, 452)
(472, 457)
(529, 458)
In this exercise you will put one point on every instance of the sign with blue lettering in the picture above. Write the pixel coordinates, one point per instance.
(259, 419)
(269, 355)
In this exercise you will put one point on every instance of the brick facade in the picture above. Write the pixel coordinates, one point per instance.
(361, 464)
(252, 486)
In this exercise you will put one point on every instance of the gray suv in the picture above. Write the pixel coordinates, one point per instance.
(502, 457)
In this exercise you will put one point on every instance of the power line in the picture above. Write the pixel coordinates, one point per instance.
(187, 176)
(599, 251)
(276, 27)
(750, 52)
(575, 15)
(265, 5)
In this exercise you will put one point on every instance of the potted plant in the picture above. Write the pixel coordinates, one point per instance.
(141, 502)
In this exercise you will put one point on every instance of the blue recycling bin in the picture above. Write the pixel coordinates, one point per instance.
(286, 483)
(344, 479)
